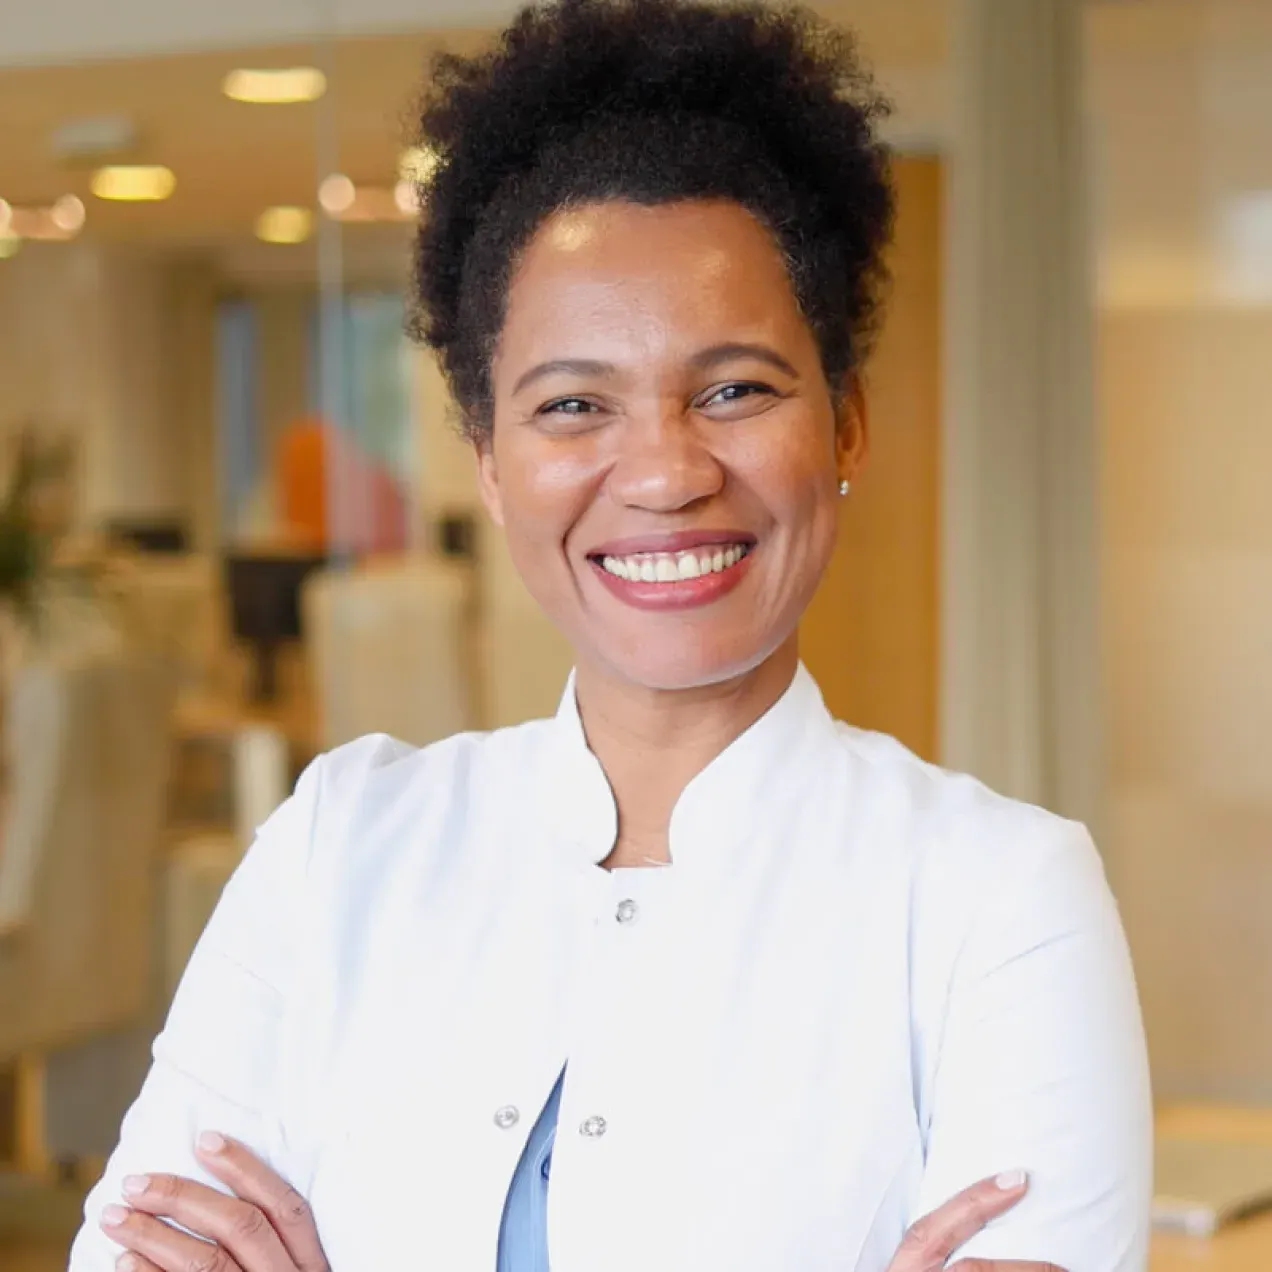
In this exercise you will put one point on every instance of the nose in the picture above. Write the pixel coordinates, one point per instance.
(664, 463)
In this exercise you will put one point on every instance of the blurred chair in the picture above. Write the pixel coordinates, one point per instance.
(174, 606)
(392, 649)
(86, 746)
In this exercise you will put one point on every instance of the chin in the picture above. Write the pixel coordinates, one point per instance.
(686, 659)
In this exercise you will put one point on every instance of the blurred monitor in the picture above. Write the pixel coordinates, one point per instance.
(158, 534)
(264, 594)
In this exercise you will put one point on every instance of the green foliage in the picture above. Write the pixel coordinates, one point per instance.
(29, 526)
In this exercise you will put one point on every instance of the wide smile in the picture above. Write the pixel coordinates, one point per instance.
(675, 576)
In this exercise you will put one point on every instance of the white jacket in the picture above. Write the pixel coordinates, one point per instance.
(863, 984)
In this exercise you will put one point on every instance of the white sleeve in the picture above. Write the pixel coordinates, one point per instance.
(1043, 1067)
(215, 1063)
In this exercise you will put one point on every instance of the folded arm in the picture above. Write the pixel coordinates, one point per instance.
(1042, 1067)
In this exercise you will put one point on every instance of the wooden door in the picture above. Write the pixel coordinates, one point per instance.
(870, 636)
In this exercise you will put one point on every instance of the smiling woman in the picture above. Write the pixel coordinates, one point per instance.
(445, 1016)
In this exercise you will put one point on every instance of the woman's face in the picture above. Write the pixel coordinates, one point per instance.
(665, 455)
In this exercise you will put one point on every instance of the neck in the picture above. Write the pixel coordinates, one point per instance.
(651, 743)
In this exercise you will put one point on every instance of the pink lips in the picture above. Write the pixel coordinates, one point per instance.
(680, 593)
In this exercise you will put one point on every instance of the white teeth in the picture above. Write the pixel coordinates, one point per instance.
(671, 567)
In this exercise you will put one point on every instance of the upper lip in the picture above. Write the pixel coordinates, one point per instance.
(670, 541)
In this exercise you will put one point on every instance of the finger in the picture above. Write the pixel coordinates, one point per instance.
(231, 1222)
(932, 1239)
(131, 1262)
(163, 1246)
(287, 1211)
(1000, 1265)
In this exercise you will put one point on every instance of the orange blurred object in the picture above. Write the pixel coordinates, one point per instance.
(332, 494)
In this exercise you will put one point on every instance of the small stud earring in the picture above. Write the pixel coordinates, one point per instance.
(845, 486)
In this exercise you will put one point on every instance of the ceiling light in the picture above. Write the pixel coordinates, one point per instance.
(275, 87)
(68, 214)
(337, 194)
(9, 245)
(134, 184)
(418, 164)
(284, 225)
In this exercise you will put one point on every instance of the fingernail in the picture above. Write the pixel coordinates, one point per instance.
(211, 1142)
(1010, 1180)
(127, 1263)
(113, 1216)
(135, 1184)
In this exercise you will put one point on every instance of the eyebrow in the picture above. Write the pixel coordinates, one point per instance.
(733, 350)
(704, 360)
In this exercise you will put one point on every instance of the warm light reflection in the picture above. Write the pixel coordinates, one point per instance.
(406, 196)
(9, 245)
(276, 86)
(336, 194)
(62, 221)
(284, 225)
(134, 183)
(375, 203)
(68, 214)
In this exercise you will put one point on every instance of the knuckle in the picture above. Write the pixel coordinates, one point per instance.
(923, 1233)
(248, 1223)
(165, 1187)
(214, 1259)
(293, 1210)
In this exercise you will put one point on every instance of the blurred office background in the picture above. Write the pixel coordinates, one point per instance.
(238, 527)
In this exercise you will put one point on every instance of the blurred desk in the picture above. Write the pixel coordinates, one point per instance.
(1241, 1247)
(236, 760)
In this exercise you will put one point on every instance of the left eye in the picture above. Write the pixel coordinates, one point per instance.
(736, 392)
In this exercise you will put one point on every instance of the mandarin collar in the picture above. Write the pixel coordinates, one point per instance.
(718, 806)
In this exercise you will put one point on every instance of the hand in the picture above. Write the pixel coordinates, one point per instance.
(266, 1226)
(933, 1240)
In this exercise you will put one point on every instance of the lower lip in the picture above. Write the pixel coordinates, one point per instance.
(683, 594)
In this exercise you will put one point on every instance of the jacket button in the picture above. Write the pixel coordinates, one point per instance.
(507, 1117)
(594, 1127)
(626, 911)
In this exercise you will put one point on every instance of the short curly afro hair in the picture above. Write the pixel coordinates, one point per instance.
(656, 102)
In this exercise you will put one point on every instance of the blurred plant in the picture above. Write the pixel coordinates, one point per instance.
(34, 517)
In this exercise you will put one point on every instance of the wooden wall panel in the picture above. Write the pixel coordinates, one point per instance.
(870, 637)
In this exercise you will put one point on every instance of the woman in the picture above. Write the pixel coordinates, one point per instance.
(754, 989)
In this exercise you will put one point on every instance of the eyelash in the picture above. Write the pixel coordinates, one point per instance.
(751, 388)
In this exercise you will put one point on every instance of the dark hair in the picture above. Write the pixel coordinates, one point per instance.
(654, 101)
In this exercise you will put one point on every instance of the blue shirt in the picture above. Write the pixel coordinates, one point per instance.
(523, 1233)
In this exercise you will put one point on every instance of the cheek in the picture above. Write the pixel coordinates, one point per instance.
(797, 481)
(544, 490)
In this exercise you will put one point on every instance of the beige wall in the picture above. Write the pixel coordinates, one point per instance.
(113, 348)
(1187, 519)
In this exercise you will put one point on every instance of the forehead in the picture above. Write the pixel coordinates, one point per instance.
(701, 270)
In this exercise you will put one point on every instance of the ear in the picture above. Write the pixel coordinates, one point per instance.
(488, 480)
(852, 429)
